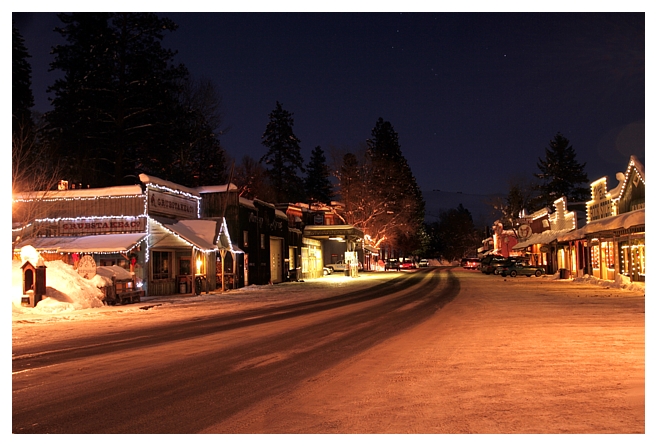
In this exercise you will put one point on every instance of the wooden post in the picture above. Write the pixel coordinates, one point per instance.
(222, 252)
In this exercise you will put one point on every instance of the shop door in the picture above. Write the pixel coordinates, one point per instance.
(276, 261)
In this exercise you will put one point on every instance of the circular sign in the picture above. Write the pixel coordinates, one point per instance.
(87, 267)
(545, 249)
(524, 231)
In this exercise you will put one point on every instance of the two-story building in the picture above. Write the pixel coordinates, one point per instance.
(613, 240)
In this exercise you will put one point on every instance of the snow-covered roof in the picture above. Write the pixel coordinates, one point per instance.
(200, 233)
(280, 214)
(615, 192)
(541, 238)
(105, 243)
(114, 191)
(247, 203)
(146, 179)
(215, 189)
(622, 221)
(114, 271)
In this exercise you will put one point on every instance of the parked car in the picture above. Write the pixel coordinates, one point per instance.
(392, 265)
(522, 268)
(490, 263)
(407, 264)
(423, 263)
(340, 266)
(470, 263)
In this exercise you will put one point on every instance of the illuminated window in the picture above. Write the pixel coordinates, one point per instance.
(595, 256)
(609, 254)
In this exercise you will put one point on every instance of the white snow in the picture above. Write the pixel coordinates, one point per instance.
(114, 191)
(149, 179)
(215, 189)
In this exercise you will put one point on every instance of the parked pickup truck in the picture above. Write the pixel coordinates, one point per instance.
(340, 266)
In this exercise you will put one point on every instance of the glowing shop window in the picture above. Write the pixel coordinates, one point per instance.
(595, 256)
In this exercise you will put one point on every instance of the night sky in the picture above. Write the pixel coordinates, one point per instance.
(474, 97)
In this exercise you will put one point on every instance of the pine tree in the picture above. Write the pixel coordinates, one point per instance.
(21, 84)
(317, 182)
(561, 174)
(115, 106)
(283, 157)
(198, 157)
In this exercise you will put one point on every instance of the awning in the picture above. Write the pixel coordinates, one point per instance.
(540, 238)
(198, 233)
(326, 231)
(372, 249)
(101, 244)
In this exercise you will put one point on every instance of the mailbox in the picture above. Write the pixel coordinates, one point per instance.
(34, 284)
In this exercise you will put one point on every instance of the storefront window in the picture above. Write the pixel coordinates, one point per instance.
(638, 249)
(595, 256)
(160, 261)
(185, 268)
(609, 254)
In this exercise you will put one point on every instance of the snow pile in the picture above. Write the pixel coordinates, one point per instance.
(622, 282)
(66, 290)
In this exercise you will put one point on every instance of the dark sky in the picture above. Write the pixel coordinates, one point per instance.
(474, 97)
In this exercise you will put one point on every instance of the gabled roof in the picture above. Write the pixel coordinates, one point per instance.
(633, 164)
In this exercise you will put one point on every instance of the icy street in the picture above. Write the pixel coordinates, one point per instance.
(439, 350)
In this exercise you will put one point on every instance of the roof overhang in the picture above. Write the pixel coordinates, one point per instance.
(327, 231)
(99, 244)
(198, 233)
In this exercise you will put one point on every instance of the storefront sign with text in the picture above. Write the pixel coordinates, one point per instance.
(101, 225)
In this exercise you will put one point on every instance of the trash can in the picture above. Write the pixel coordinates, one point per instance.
(564, 273)
(183, 287)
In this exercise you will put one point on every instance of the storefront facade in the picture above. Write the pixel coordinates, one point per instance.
(152, 230)
(612, 242)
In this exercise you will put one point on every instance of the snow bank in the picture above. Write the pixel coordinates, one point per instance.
(622, 282)
(66, 290)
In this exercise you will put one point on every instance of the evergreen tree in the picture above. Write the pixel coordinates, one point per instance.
(197, 156)
(21, 84)
(392, 188)
(561, 174)
(454, 235)
(317, 182)
(283, 157)
(115, 106)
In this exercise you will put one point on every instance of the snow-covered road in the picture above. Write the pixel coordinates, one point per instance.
(521, 355)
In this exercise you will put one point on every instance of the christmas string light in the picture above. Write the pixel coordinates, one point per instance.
(95, 217)
(627, 177)
(28, 200)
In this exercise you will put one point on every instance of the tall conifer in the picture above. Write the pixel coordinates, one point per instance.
(283, 158)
